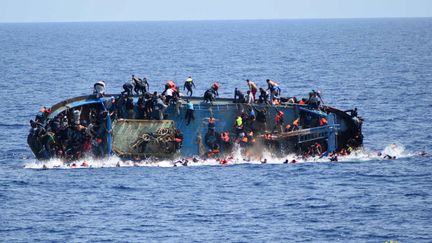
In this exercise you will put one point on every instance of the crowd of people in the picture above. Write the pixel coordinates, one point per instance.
(70, 136)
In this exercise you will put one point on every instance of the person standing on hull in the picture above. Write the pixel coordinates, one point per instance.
(188, 85)
(252, 88)
(99, 89)
(141, 85)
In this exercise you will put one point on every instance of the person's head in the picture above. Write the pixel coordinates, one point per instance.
(248, 92)
(133, 76)
(190, 76)
(268, 80)
(247, 80)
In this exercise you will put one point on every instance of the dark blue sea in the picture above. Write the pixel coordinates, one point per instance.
(381, 66)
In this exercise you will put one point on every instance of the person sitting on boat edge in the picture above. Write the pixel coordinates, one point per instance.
(188, 85)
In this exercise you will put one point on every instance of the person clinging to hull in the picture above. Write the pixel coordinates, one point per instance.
(189, 83)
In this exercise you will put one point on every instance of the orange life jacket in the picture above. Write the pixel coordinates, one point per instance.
(171, 84)
(225, 136)
(323, 121)
(279, 117)
(296, 122)
(301, 102)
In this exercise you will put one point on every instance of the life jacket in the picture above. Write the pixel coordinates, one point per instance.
(288, 127)
(296, 122)
(223, 161)
(301, 102)
(239, 122)
(170, 84)
(225, 136)
(244, 139)
(213, 152)
(323, 121)
(279, 117)
(189, 80)
(178, 140)
(268, 136)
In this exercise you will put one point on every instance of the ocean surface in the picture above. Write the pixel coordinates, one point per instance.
(381, 66)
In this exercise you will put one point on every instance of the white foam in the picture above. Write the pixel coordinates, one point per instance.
(236, 158)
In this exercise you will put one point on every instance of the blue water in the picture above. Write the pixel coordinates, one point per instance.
(381, 66)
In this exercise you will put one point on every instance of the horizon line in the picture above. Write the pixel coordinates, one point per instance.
(192, 20)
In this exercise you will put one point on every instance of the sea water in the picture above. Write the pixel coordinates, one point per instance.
(381, 66)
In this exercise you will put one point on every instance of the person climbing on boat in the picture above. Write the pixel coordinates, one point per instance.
(279, 122)
(239, 96)
(140, 85)
(238, 125)
(189, 112)
(274, 89)
(169, 85)
(127, 89)
(253, 88)
(99, 89)
(211, 123)
(263, 97)
(189, 83)
(211, 94)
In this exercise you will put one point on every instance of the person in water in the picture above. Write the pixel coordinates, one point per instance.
(189, 83)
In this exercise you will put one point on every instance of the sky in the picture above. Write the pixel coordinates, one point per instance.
(154, 10)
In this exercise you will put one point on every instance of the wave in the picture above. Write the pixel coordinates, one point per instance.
(392, 151)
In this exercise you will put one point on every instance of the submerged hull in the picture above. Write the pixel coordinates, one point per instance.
(128, 135)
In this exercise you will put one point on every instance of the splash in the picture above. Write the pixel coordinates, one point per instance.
(392, 151)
